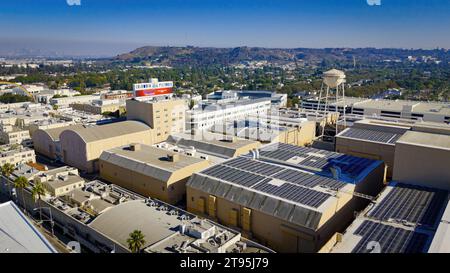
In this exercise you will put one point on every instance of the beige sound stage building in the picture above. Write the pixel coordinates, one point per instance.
(150, 171)
(46, 142)
(285, 197)
(376, 139)
(81, 147)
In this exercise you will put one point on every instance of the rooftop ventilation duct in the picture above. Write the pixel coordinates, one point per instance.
(135, 147)
(173, 157)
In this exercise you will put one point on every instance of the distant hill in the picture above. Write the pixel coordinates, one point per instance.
(203, 56)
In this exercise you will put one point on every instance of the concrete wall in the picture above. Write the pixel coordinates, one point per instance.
(420, 165)
(367, 149)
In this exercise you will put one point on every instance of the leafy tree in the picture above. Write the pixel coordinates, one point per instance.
(37, 191)
(7, 169)
(22, 182)
(136, 241)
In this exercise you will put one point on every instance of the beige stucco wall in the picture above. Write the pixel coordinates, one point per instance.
(44, 144)
(164, 117)
(420, 165)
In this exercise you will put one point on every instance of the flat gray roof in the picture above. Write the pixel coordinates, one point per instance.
(148, 160)
(426, 139)
(17, 233)
(100, 132)
(119, 221)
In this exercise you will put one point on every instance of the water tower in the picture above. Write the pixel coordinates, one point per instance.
(332, 99)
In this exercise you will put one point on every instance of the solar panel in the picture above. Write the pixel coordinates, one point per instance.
(234, 175)
(371, 135)
(414, 204)
(391, 239)
(308, 180)
(253, 166)
(294, 193)
(316, 160)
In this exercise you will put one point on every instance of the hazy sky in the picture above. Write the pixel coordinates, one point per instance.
(109, 27)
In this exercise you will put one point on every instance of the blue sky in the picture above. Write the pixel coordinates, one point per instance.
(108, 27)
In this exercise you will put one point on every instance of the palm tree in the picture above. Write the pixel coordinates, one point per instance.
(37, 192)
(21, 182)
(136, 241)
(7, 169)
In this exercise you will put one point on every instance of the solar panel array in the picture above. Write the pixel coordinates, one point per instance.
(289, 184)
(293, 192)
(414, 204)
(371, 135)
(391, 239)
(253, 166)
(308, 180)
(318, 160)
(233, 175)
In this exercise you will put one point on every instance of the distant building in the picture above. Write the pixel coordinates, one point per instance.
(414, 110)
(18, 234)
(100, 107)
(150, 171)
(290, 198)
(66, 101)
(16, 154)
(10, 134)
(153, 88)
(259, 129)
(207, 114)
(223, 96)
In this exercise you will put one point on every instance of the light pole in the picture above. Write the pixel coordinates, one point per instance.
(51, 218)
